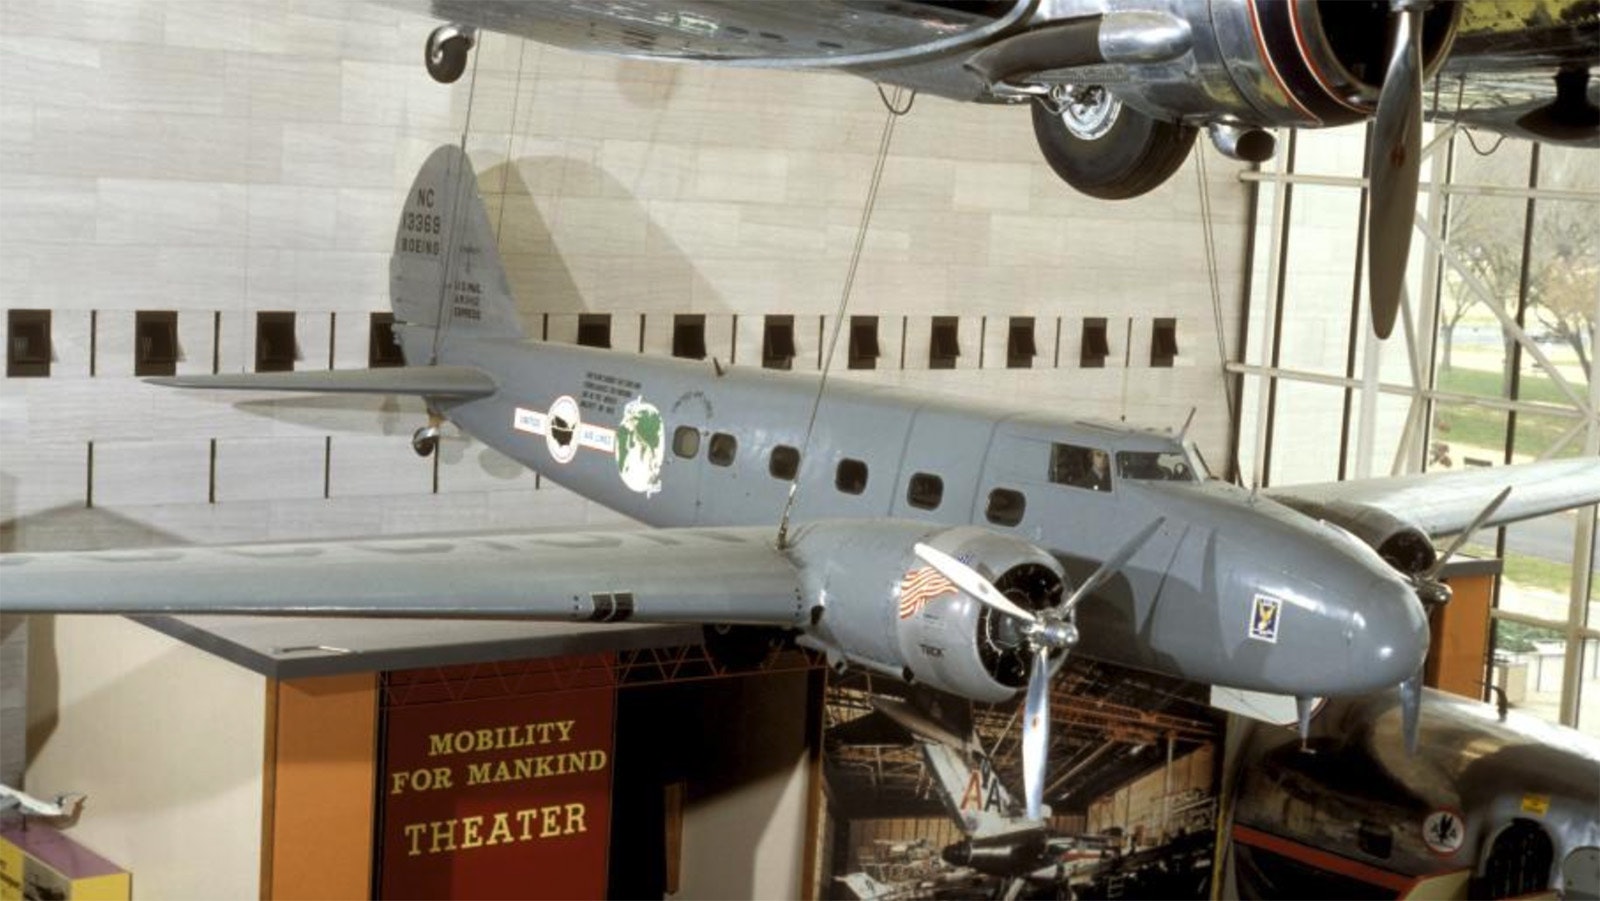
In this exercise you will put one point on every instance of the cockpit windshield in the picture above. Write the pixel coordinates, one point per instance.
(1156, 466)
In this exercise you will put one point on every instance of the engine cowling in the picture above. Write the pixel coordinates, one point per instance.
(1401, 544)
(881, 607)
(1260, 62)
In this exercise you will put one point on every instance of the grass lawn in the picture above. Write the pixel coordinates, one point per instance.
(1486, 429)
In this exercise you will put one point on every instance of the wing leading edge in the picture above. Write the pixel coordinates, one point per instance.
(659, 576)
(1445, 503)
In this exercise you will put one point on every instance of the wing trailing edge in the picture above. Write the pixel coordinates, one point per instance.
(659, 576)
(464, 382)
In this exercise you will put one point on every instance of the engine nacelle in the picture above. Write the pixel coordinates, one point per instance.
(1258, 62)
(879, 606)
(1401, 544)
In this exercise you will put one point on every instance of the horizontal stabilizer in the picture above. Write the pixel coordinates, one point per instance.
(431, 381)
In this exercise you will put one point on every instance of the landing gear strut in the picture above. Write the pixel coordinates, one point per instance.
(445, 54)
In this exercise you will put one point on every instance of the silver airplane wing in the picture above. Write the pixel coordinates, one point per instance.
(658, 576)
(1444, 503)
(818, 34)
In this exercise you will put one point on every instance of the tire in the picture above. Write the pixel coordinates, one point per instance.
(1134, 155)
(445, 54)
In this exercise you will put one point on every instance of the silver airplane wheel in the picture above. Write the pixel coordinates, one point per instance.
(1105, 149)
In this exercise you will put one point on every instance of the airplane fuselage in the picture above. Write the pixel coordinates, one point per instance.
(1232, 590)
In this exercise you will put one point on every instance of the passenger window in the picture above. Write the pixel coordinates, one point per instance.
(1080, 467)
(851, 476)
(686, 441)
(723, 447)
(925, 491)
(1005, 507)
(784, 463)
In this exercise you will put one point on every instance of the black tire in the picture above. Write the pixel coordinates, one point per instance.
(424, 445)
(446, 59)
(1135, 156)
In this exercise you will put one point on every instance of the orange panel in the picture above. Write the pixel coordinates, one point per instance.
(322, 736)
(1459, 656)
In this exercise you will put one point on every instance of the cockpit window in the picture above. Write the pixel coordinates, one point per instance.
(1080, 467)
(1155, 466)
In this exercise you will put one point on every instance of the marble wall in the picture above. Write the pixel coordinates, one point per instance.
(221, 159)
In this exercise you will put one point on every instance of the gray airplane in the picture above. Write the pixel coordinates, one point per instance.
(965, 548)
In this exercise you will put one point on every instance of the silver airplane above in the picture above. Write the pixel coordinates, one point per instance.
(1120, 88)
(965, 548)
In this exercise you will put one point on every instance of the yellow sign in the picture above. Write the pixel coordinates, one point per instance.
(1538, 805)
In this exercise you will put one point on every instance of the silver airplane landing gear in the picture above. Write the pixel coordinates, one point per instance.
(445, 53)
(1103, 148)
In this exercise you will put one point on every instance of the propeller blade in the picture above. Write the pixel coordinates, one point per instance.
(1396, 160)
(1411, 709)
(1036, 734)
(1468, 532)
(967, 579)
(1112, 564)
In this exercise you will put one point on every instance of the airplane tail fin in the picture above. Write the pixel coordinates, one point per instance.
(445, 276)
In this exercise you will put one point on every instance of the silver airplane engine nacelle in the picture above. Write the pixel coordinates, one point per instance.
(877, 605)
(1260, 62)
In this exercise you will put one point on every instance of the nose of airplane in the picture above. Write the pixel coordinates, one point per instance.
(1389, 634)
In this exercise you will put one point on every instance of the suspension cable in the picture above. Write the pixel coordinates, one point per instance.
(844, 295)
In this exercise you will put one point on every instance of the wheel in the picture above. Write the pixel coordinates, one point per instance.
(1105, 149)
(445, 53)
(425, 440)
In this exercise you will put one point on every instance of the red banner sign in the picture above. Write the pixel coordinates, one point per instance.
(497, 781)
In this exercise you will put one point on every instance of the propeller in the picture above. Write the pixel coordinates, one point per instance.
(1434, 594)
(1045, 631)
(1395, 161)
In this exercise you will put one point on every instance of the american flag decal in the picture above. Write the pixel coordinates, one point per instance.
(921, 586)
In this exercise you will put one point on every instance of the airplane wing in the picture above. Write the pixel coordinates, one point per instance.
(824, 33)
(1445, 503)
(657, 576)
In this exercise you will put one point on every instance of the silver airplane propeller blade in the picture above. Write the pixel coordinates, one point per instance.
(967, 579)
(1036, 733)
(1110, 567)
(1467, 533)
(1396, 160)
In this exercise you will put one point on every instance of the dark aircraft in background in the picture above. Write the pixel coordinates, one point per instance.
(1120, 88)
(1489, 807)
(964, 548)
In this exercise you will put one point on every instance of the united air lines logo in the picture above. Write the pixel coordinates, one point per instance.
(564, 430)
(1264, 618)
